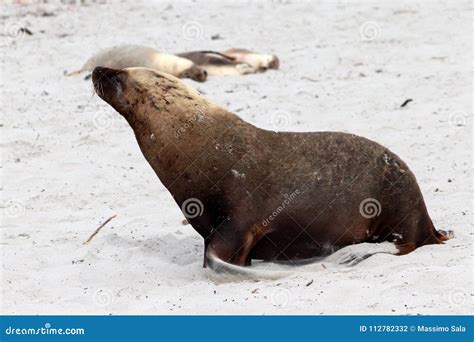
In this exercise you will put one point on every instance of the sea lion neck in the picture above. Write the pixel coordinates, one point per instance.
(174, 125)
(160, 99)
(171, 110)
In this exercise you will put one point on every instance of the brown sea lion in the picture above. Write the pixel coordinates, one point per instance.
(258, 194)
(216, 63)
(126, 56)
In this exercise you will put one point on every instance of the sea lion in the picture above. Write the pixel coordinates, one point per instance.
(258, 61)
(258, 194)
(216, 63)
(126, 56)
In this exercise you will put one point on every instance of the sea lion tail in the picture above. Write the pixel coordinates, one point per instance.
(223, 268)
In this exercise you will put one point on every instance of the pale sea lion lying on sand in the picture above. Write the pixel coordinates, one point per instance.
(126, 56)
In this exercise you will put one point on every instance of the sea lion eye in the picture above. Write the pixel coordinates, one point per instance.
(116, 81)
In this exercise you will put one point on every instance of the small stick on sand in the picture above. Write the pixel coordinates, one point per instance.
(100, 227)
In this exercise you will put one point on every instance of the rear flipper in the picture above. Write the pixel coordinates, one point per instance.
(354, 254)
(445, 235)
(224, 270)
(72, 73)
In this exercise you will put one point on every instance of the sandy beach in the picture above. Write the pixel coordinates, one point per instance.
(69, 161)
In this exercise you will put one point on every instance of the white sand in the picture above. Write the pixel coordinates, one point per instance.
(70, 161)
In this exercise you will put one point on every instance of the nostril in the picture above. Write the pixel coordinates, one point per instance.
(98, 73)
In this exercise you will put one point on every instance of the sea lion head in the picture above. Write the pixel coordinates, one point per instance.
(109, 84)
(258, 61)
(265, 62)
(136, 93)
(274, 62)
(195, 73)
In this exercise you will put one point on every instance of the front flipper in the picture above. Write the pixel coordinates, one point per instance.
(228, 252)
(233, 246)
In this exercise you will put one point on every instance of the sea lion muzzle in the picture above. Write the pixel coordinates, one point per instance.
(108, 83)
